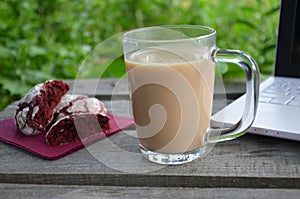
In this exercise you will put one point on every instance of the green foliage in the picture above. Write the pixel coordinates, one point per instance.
(251, 26)
(49, 39)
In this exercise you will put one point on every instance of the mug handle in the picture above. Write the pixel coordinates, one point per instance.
(248, 64)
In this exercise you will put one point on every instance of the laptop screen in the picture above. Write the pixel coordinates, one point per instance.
(288, 43)
(296, 38)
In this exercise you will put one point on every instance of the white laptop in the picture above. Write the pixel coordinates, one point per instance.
(278, 113)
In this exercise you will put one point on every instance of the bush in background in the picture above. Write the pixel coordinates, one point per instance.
(48, 39)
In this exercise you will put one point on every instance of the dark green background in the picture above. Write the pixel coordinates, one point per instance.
(49, 39)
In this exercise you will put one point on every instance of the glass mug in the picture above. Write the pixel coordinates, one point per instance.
(171, 71)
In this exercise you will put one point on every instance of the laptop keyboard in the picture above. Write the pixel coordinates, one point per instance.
(282, 92)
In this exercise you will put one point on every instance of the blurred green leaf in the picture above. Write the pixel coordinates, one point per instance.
(268, 48)
(249, 24)
(14, 88)
(6, 53)
(273, 10)
(36, 51)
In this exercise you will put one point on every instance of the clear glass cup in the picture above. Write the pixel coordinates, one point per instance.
(171, 72)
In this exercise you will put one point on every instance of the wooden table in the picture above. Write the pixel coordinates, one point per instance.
(249, 167)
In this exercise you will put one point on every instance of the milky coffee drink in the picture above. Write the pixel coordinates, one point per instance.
(171, 98)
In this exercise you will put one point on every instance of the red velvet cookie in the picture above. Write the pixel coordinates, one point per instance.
(35, 110)
(77, 117)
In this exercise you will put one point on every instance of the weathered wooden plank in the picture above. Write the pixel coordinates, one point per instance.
(17, 191)
(8, 112)
(108, 89)
(251, 161)
(104, 89)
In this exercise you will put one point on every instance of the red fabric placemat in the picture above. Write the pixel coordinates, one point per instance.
(37, 144)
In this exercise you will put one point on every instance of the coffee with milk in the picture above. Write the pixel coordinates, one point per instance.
(172, 92)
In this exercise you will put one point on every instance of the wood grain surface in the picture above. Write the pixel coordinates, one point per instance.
(17, 191)
(262, 167)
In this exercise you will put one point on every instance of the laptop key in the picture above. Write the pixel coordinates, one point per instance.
(275, 95)
(264, 99)
(294, 102)
(282, 101)
(272, 90)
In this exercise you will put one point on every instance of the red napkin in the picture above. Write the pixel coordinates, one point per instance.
(37, 145)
